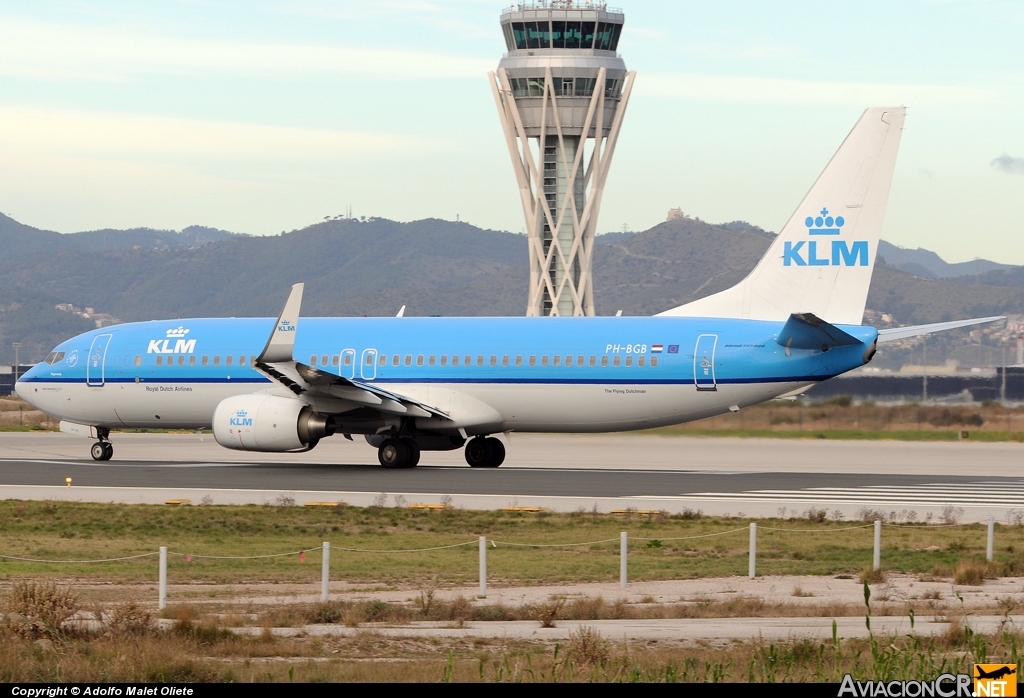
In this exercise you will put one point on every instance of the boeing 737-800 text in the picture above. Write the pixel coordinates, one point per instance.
(420, 384)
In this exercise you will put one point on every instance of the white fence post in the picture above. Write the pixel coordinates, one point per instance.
(752, 559)
(163, 578)
(483, 567)
(990, 544)
(325, 573)
(876, 560)
(623, 558)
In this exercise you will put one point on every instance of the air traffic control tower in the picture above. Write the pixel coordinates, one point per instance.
(561, 91)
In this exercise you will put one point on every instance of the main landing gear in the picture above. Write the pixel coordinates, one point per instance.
(398, 453)
(102, 450)
(485, 452)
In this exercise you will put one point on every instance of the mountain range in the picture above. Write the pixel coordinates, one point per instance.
(434, 267)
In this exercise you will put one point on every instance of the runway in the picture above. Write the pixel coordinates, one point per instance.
(742, 477)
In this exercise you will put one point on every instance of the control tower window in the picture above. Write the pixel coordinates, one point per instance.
(573, 34)
(616, 30)
(510, 42)
(558, 35)
(612, 89)
(538, 34)
(603, 39)
(588, 35)
(519, 34)
(585, 86)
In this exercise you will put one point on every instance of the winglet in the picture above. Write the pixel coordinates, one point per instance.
(282, 339)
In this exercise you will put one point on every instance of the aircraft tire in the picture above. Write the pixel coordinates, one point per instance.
(479, 452)
(414, 453)
(99, 451)
(497, 452)
(108, 450)
(393, 454)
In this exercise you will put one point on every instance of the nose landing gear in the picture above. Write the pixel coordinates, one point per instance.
(485, 452)
(102, 450)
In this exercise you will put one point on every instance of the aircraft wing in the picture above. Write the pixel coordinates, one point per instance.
(891, 335)
(277, 363)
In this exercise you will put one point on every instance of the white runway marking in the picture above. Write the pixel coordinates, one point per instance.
(933, 494)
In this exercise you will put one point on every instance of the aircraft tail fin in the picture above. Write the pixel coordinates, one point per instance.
(821, 261)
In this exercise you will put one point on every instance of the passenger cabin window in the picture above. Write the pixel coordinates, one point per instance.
(615, 362)
(241, 360)
(579, 360)
(334, 360)
(455, 359)
(408, 359)
(468, 361)
(533, 360)
(138, 361)
(216, 360)
(444, 359)
(504, 360)
(593, 361)
(369, 359)
(348, 360)
(419, 359)
(323, 360)
(159, 361)
(640, 361)
(544, 360)
(396, 360)
(519, 360)
(629, 360)
(312, 360)
(206, 360)
(556, 360)
(383, 360)
(568, 361)
(494, 360)
(192, 360)
(432, 360)
(480, 360)
(654, 361)
(229, 358)
(604, 361)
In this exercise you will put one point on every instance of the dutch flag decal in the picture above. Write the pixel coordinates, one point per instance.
(656, 348)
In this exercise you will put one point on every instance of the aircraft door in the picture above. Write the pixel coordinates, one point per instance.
(704, 362)
(368, 364)
(95, 364)
(347, 369)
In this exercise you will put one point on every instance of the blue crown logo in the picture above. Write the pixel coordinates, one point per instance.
(824, 224)
(241, 413)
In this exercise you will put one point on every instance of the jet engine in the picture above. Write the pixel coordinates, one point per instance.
(269, 423)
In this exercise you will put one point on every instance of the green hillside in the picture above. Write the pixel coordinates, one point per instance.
(433, 267)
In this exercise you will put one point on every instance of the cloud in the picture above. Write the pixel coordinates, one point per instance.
(780, 90)
(89, 135)
(1008, 163)
(63, 51)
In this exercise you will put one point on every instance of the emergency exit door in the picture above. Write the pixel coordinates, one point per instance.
(704, 362)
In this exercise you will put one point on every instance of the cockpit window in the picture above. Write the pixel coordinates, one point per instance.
(54, 357)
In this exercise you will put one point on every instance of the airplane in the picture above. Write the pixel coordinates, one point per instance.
(409, 384)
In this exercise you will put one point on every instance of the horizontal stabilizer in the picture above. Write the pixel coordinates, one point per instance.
(891, 335)
(808, 331)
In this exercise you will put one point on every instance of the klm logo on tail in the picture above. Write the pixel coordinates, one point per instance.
(805, 253)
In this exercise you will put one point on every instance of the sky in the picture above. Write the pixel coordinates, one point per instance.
(261, 117)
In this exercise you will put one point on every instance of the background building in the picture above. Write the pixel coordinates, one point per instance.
(561, 91)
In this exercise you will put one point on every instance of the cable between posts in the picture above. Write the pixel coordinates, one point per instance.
(552, 545)
(110, 559)
(703, 535)
(241, 557)
(815, 530)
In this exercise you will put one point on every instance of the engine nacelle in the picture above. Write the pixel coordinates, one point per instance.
(268, 423)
